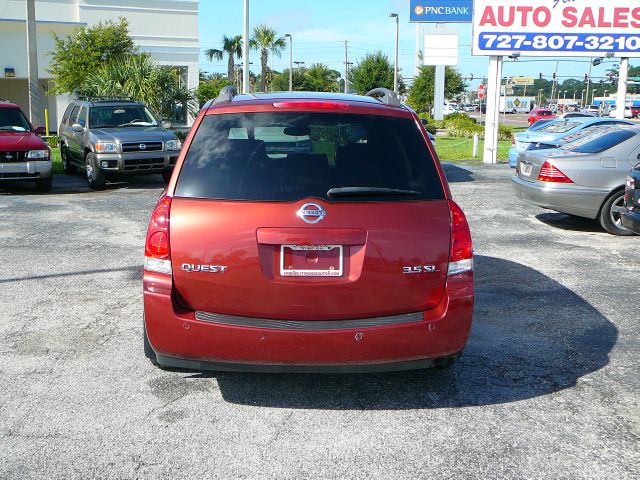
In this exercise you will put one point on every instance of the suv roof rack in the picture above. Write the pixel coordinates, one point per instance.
(226, 94)
(105, 98)
(386, 96)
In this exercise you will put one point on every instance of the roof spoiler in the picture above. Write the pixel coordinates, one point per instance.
(226, 94)
(386, 96)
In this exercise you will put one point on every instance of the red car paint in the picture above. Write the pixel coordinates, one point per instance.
(224, 257)
(12, 141)
(540, 114)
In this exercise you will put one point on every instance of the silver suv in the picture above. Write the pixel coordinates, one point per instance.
(111, 138)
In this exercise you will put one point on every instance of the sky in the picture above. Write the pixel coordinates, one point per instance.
(320, 27)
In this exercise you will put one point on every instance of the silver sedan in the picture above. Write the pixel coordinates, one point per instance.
(587, 180)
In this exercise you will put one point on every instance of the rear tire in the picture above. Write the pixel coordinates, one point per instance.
(609, 219)
(44, 184)
(67, 166)
(95, 177)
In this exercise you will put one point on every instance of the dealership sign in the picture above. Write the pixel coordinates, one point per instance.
(587, 28)
(446, 11)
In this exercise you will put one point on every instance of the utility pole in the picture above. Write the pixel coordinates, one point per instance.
(346, 67)
(32, 53)
(395, 65)
(245, 49)
(586, 97)
(290, 61)
(623, 80)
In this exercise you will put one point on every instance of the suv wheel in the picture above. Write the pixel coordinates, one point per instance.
(95, 177)
(610, 218)
(67, 166)
(44, 184)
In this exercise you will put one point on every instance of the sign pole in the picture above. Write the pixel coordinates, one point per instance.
(245, 49)
(623, 79)
(490, 153)
(438, 91)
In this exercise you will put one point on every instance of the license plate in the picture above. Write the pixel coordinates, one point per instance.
(525, 168)
(311, 260)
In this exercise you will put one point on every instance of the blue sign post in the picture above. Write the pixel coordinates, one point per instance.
(445, 11)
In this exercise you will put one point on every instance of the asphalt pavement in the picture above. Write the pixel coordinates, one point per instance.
(547, 387)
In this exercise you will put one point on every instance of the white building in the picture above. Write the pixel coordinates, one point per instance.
(167, 29)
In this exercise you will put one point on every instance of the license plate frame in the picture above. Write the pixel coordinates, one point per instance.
(326, 254)
(526, 168)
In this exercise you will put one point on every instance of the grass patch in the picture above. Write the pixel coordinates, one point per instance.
(451, 149)
(56, 160)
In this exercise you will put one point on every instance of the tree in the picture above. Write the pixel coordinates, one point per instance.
(321, 78)
(421, 92)
(139, 77)
(232, 47)
(85, 50)
(210, 88)
(373, 71)
(317, 78)
(265, 40)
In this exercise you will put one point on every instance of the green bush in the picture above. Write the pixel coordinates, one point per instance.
(504, 132)
(463, 129)
(431, 128)
(459, 117)
(52, 140)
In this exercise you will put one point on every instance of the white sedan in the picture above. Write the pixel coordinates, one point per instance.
(627, 113)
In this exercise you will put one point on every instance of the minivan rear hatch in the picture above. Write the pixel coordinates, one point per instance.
(309, 216)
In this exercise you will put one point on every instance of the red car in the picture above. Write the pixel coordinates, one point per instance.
(23, 154)
(307, 232)
(540, 114)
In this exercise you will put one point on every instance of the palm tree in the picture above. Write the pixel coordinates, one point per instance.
(231, 46)
(322, 78)
(265, 39)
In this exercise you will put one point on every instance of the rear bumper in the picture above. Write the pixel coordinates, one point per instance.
(574, 200)
(25, 170)
(181, 340)
(630, 220)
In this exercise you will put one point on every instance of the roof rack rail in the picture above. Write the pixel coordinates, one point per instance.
(226, 94)
(386, 96)
(105, 98)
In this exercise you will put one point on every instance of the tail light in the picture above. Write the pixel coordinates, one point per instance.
(550, 173)
(157, 254)
(461, 255)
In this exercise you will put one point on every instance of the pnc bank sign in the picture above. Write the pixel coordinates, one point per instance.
(449, 11)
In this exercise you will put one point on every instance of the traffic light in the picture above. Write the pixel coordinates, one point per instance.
(554, 75)
(586, 77)
(472, 76)
(540, 75)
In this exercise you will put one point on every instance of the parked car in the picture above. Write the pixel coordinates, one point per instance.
(630, 212)
(447, 109)
(540, 114)
(111, 138)
(627, 112)
(24, 156)
(555, 133)
(468, 107)
(593, 109)
(256, 260)
(586, 181)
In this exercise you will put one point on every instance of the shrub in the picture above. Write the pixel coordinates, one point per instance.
(431, 128)
(464, 129)
(504, 132)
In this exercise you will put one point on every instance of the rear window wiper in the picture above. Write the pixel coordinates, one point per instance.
(368, 191)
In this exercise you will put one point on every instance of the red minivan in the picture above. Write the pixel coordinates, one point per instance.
(307, 232)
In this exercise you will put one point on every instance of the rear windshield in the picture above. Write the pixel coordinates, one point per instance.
(604, 142)
(547, 113)
(287, 156)
(559, 127)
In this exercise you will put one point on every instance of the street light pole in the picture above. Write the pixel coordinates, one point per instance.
(245, 49)
(290, 61)
(395, 66)
(32, 65)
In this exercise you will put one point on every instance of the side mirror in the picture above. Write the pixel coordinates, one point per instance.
(166, 124)
(40, 131)
(76, 127)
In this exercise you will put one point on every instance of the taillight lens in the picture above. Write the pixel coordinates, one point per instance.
(461, 255)
(550, 173)
(157, 254)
